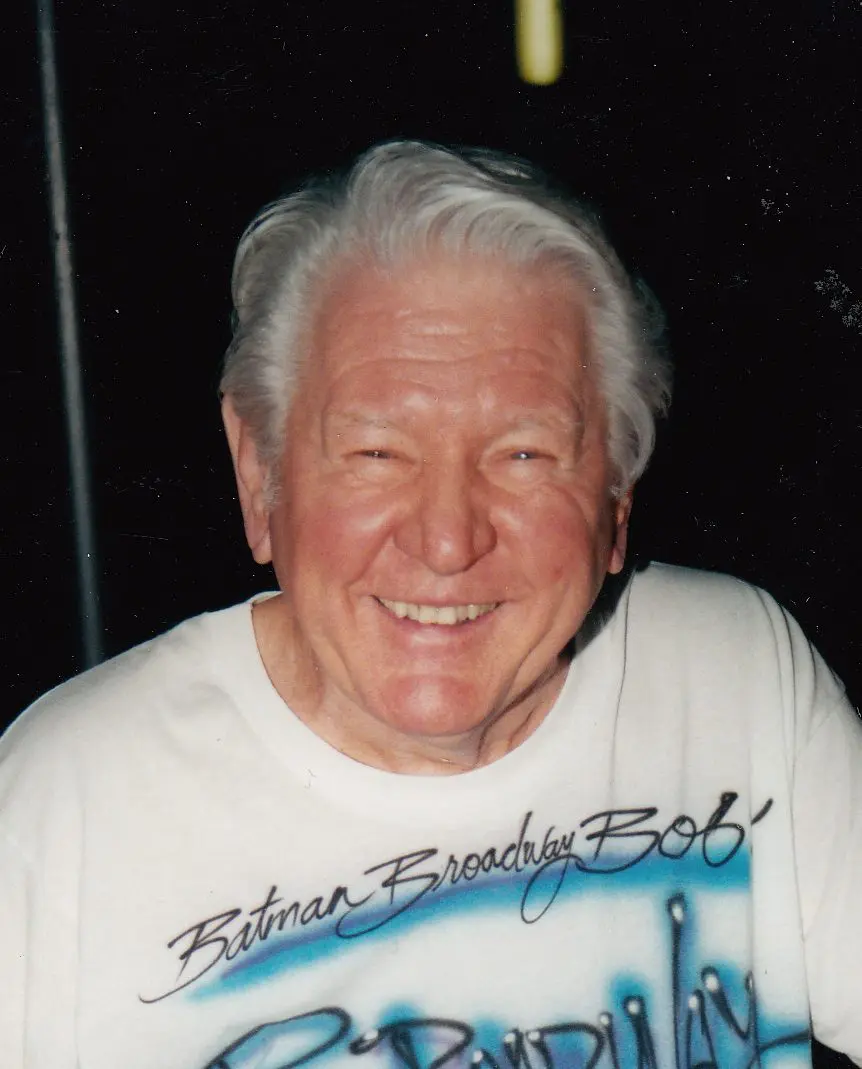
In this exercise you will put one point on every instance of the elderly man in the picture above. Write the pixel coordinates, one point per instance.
(426, 805)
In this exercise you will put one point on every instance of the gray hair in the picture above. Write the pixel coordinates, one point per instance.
(406, 198)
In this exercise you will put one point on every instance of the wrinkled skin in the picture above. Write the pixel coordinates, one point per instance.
(446, 447)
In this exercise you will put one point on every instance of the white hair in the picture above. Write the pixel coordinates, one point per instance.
(403, 199)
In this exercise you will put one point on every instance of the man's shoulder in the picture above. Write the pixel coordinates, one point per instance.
(687, 602)
(725, 627)
(168, 670)
(694, 586)
(710, 634)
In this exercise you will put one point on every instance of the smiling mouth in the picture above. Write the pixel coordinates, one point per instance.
(447, 615)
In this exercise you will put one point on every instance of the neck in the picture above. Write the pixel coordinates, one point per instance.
(336, 718)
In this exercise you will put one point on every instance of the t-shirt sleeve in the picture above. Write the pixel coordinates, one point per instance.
(827, 821)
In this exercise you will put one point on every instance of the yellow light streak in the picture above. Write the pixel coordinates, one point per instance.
(539, 40)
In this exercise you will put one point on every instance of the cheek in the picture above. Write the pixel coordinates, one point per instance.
(559, 540)
(337, 541)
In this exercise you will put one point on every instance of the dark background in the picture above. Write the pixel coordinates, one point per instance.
(720, 141)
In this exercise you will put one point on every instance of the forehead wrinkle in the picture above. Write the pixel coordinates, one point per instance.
(428, 323)
(416, 383)
(356, 417)
(561, 399)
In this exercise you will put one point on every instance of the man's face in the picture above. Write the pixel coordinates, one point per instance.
(444, 522)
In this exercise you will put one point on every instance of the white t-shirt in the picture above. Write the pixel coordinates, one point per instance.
(666, 873)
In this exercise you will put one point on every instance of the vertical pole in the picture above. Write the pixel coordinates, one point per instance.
(85, 548)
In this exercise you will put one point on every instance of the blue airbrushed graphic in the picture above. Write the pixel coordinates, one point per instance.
(527, 895)
(690, 1015)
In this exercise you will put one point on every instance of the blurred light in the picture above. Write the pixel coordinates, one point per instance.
(539, 40)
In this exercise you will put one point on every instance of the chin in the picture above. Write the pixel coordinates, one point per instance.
(434, 708)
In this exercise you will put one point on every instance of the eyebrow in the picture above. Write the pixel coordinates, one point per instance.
(547, 418)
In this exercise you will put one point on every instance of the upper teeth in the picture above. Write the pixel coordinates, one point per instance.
(437, 614)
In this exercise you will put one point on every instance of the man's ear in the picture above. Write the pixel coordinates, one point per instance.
(251, 481)
(622, 512)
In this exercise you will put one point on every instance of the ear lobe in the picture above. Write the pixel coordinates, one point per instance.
(622, 512)
(251, 479)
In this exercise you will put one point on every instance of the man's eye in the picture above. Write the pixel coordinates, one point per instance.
(376, 454)
(525, 454)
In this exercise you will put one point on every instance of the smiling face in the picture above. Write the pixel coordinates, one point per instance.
(445, 519)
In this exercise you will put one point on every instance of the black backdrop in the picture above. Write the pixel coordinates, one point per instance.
(720, 141)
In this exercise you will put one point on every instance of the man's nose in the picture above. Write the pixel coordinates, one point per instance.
(449, 527)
